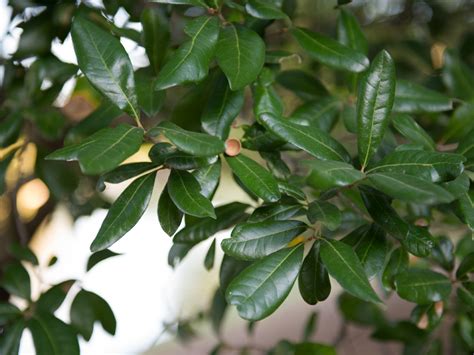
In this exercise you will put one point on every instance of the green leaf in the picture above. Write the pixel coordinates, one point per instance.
(99, 256)
(226, 216)
(325, 213)
(52, 299)
(156, 35)
(330, 52)
(23, 253)
(276, 165)
(169, 215)
(398, 262)
(369, 243)
(310, 326)
(275, 212)
(221, 109)
(177, 253)
(422, 286)
(430, 166)
(410, 188)
(327, 174)
(302, 84)
(105, 63)
(240, 54)
(197, 144)
(443, 253)
(291, 190)
(149, 99)
(185, 193)
(87, 308)
(52, 336)
(252, 241)
(125, 212)
(104, 150)
(124, 172)
(360, 312)
(411, 130)
(343, 264)
(466, 266)
(264, 10)
(11, 337)
(183, 2)
(266, 100)
(349, 32)
(310, 139)
(8, 312)
(258, 180)
(374, 103)
(313, 280)
(466, 148)
(10, 128)
(465, 293)
(457, 76)
(314, 348)
(16, 280)
(230, 268)
(416, 240)
(208, 178)
(322, 113)
(262, 287)
(210, 255)
(190, 62)
(413, 98)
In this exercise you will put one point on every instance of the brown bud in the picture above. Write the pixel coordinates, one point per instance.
(439, 306)
(232, 147)
(423, 322)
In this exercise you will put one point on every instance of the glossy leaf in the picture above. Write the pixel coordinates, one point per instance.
(149, 99)
(330, 52)
(343, 264)
(397, 263)
(52, 336)
(105, 63)
(197, 144)
(98, 257)
(327, 174)
(325, 213)
(410, 188)
(313, 280)
(169, 215)
(251, 241)
(349, 32)
(125, 212)
(210, 256)
(262, 287)
(422, 286)
(411, 130)
(413, 98)
(124, 172)
(156, 35)
(322, 113)
(240, 54)
(258, 180)
(302, 84)
(185, 193)
(266, 100)
(221, 109)
(190, 62)
(264, 10)
(374, 104)
(310, 139)
(208, 178)
(275, 212)
(16, 280)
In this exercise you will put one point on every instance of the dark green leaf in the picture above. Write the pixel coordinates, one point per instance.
(466, 294)
(218, 310)
(156, 35)
(149, 99)
(258, 180)
(11, 336)
(226, 216)
(349, 32)
(183, 2)
(208, 178)
(16, 280)
(125, 212)
(398, 262)
(466, 266)
(8, 312)
(52, 336)
(422, 286)
(302, 84)
(443, 253)
(411, 130)
(105, 63)
(310, 326)
(310, 139)
(322, 113)
(276, 165)
(330, 52)
(275, 212)
(190, 62)
(313, 280)
(209, 259)
(291, 190)
(314, 348)
(325, 213)
(185, 193)
(413, 98)
(177, 253)
(457, 76)
(251, 241)
(10, 128)
(169, 215)
(240, 53)
(264, 10)
(327, 174)
(52, 299)
(410, 188)
(343, 264)
(221, 109)
(230, 268)
(99, 256)
(123, 173)
(374, 103)
(466, 148)
(262, 287)
(361, 312)
(197, 144)
(23, 253)
(266, 100)
(370, 245)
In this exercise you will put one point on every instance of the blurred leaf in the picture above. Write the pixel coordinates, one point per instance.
(156, 35)
(322, 113)
(413, 98)
(422, 286)
(210, 256)
(466, 266)
(302, 84)
(360, 312)
(325, 213)
(411, 130)
(8, 312)
(99, 256)
(16, 280)
(23, 253)
(11, 336)
(457, 76)
(349, 32)
(52, 299)
(169, 215)
(397, 262)
(275, 212)
(310, 326)
(149, 99)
